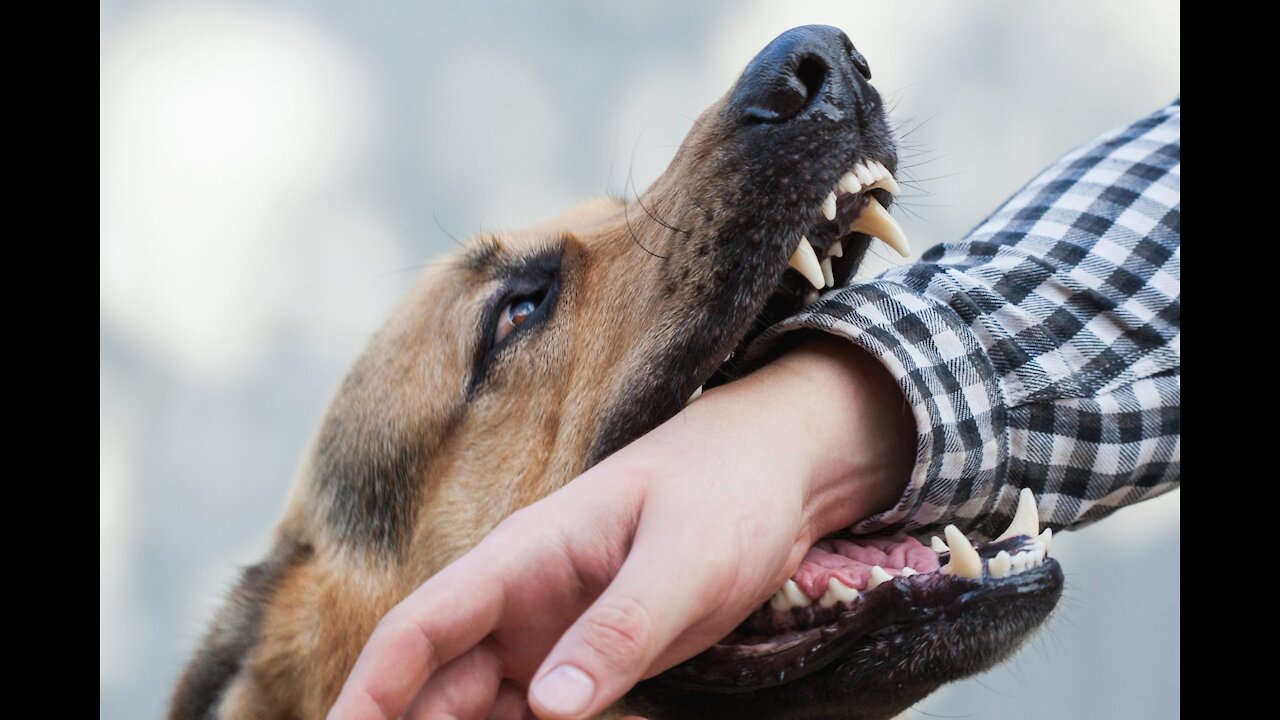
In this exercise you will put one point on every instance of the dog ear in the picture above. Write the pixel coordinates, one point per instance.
(233, 635)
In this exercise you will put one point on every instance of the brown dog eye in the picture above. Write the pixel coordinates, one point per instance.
(513, 316)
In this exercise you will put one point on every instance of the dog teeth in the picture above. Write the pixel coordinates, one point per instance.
(1000, 565)
(837, 592)
(878, 577)
(829, 206)
(1026, 519)
(696, 394)
(790, 596)
(909, 571)
(938, 546)
(875, 220)
(795, 595)
(1046, 539)
(865, 175)
(828, 275)
(805, 261)
(810, 298)
(836, 249)
(888, 183)
(964, 558)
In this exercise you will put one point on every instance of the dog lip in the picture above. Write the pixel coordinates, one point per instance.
(750, 659)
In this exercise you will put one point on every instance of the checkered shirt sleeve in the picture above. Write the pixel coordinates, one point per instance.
(1043, 349)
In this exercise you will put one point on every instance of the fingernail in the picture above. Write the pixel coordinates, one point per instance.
(565, 690)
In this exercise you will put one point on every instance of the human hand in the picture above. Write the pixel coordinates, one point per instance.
(649, 557)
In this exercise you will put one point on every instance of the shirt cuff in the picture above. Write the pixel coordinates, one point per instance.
(962, 451)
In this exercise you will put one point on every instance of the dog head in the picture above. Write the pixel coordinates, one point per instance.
(527, 357)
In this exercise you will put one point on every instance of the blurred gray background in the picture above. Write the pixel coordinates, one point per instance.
(275, 174)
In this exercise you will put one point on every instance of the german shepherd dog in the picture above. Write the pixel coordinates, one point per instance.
(508, 371)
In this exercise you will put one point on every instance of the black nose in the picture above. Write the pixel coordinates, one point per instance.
(791, 75)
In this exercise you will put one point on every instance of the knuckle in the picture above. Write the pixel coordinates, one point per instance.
(405, 637)
(620, 634)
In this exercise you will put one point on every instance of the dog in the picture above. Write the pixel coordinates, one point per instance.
(543, 351)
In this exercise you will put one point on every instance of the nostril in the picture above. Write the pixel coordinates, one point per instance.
(812, 73)
(781, 94)
(803, 68)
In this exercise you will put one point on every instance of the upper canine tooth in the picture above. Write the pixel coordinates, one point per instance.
(836, 249)
(837, 592)
(938, 546)
(964, 558)
(829, 206)
(805, 260)
(864, 175)
(828, 275)
(795, 595)
(849, 183)
(888, 183)
(1026, 519)
(875, 220)
(878, 577)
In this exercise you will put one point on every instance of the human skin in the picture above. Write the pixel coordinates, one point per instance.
(650, 556)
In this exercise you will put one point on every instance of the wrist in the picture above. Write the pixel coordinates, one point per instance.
(855, 431)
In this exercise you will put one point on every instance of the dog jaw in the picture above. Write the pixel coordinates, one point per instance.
(441, 430)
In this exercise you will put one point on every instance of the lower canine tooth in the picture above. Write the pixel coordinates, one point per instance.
(795, 595)
(828, 275)
(837, 249)
(878, 578)
(829, 206)
(875, 220)
(999, 565)
(964, 559)
(805, 261)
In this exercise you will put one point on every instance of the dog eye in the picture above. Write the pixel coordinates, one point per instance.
(513, 315)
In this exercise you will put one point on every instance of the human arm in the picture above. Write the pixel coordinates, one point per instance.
(1042, 350)
(654, 553)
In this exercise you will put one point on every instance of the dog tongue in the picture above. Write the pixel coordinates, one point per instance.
(851, 561)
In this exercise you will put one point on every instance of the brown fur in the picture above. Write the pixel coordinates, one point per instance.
(419, 456)
(531, 431)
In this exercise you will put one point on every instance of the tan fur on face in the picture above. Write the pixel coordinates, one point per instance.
(528, 430)
(428, 445)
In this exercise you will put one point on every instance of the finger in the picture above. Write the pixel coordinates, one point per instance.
(510, 704)
(427, 629)
(610, 647)
(464, 688)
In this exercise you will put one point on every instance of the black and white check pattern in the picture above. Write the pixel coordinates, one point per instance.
(1042, 350)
